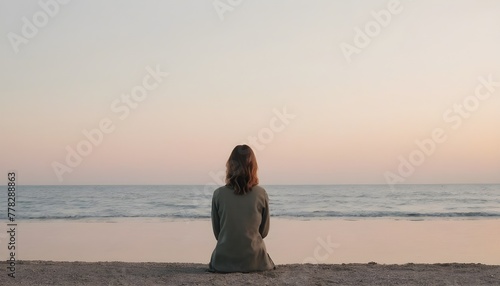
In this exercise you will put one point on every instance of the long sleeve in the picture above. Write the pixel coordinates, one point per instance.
(264, 225)
(215, 218)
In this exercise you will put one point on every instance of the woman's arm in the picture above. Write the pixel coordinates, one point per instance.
(264, 225)
(215, 218)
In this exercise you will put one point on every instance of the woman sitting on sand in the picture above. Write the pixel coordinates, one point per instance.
(240, 217)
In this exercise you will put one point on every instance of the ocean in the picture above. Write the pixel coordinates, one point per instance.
(303, 202)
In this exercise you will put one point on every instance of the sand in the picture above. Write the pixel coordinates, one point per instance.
(316, 252)
(121, 273)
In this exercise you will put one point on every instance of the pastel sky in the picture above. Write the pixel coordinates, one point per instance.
(332, 92)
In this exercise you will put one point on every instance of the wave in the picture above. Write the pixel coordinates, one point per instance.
(312, 215)
(381, 214)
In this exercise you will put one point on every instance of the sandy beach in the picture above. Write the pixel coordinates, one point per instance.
(121, 273)
(315, 252)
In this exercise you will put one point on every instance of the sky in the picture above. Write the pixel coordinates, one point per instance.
(325, 92)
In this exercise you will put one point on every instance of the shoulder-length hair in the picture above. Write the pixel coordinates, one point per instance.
(241, 170)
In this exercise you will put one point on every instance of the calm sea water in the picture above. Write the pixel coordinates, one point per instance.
(296, 202)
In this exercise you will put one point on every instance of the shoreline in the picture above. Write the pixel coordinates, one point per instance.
(148, 273)
(273, 218)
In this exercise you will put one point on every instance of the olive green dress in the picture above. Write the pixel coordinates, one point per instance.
(240, 222)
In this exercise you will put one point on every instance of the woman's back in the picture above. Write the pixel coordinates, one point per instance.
(240, 222)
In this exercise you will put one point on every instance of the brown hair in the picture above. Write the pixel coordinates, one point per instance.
(241, 170)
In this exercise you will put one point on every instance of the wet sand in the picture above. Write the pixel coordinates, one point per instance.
(121, 273)
(289, 241)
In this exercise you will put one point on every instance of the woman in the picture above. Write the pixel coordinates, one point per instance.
(240, 217)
